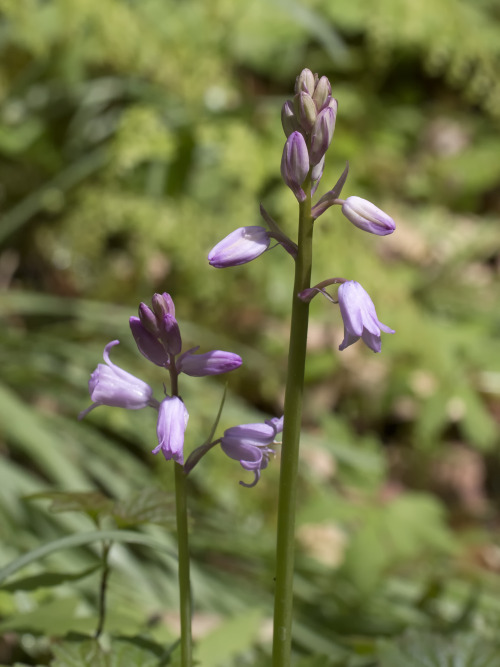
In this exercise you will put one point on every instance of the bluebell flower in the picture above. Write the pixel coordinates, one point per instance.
(250, 445)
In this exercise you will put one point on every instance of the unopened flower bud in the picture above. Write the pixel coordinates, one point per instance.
(305, 111)
(295, 164)
(148, 344)
(148, 319)
(366, 216)
(163, 304)
(215, 362)
(241, 246)
(305, 82)
(322, 134)
(170, 334)
(288, 118)
(322, 92)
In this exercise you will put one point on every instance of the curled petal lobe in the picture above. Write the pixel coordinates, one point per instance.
(368, 217)
(172, 421)
(111, 385)
(359, 316)
(241, 246)
(214, 362)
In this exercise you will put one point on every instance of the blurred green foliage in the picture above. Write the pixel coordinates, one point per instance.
(133, 136)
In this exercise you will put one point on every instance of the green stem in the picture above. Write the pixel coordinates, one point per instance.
(103, 588)
(183, 551)
(285, 547)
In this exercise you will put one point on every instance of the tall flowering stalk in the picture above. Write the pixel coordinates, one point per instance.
(308, 122)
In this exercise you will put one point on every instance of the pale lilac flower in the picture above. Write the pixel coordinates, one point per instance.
(214, 362)
(172, 421)
(359, 316)
(250, 445)
(111, 385)
(295, 164)
(366, 216)
(241, 246)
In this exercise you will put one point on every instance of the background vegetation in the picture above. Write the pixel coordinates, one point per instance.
(134, 136)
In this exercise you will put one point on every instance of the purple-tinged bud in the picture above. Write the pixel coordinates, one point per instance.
(306, 82)
(295, 164)
(241, 246)
(170, 334)
(148, 319)
(163, 305)
(288, 118)
(305, 111)
(171, 426)
(366, 216)
(214, 362)
(322, 134)
(111, 385)
(360, 317)
(149, 346)
(322, 92)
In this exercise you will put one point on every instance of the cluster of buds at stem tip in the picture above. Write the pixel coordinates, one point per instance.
(157, 335)
(308, 122)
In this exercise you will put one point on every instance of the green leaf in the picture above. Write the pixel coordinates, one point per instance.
(56, 617)
(420, 649)
(78, 540)
(49, 579)
(91, 654)
(91, 503)
(146, 506)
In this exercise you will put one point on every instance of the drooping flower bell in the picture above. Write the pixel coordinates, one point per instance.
(250, 445)
(172, 421)
(360, 317)
(111, 385)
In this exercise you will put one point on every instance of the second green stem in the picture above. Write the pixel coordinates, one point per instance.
(183, 555)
